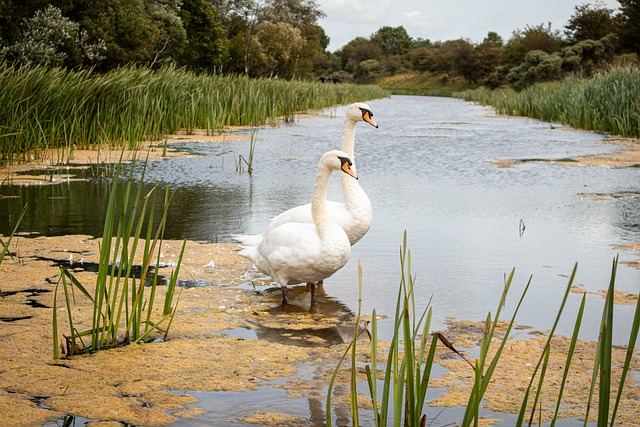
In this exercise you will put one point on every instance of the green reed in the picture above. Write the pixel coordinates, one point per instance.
(123, 307)
(4, 246)
(405, 373)
(607, 102)
(45, 108)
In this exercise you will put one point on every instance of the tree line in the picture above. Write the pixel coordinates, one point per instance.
(282, 38)
(257, 38)
(593, 37)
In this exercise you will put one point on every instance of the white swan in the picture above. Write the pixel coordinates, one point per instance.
(302, 252)
(354, 216)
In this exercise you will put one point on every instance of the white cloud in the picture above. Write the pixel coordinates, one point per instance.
(355, 10)
(450, 20)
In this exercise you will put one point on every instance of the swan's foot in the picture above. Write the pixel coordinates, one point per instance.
(284, 295)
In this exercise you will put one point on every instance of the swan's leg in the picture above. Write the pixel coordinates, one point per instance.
(314, 287)
(284, 295)
(312, 284)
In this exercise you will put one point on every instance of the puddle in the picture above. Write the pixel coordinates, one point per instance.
(225, 408)
(241, 333)
(71, 421)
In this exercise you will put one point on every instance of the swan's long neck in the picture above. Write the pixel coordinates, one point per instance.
(350, 187)
(348, 138)
(319, 201)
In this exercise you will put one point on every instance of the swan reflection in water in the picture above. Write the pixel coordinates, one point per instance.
(338, 330)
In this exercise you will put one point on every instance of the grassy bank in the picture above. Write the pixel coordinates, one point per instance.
(425, 84)
(608, 102)
(45, 108)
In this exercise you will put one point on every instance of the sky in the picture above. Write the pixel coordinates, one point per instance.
(444, 19)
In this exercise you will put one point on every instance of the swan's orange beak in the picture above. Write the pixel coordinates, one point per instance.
(367, 117)
(346, 168)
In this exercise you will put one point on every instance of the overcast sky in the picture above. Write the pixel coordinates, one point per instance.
(444, 19)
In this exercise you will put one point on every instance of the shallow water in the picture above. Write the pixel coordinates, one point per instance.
(426, 171)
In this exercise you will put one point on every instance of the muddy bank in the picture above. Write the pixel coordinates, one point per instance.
(53, 164)
(628, 155)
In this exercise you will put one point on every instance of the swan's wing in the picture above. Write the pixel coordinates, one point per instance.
(300, 214)
(295, 253)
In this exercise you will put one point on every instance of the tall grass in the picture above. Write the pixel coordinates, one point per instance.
(46, 108)
(607, 102)
(407, 369)
(123, 308)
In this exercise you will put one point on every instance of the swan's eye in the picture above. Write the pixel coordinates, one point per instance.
(345, 161)
(366, 112)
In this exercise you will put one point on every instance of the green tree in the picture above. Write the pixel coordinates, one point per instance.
(279, 45)
(367, 70)
(303, 15)
(629, 26)
(208, 47)
(420, 42)
(146, 32)
(393, 40)
(487, 56)
(13, 14)
(538, 66)
(422, 59)
(326, 64)
(454, 57)
(493, 39)
(296, 13)
(315, 43)
(244, 17)
(539, 37)
(590, 22)
(358, 50)
(587, 55)
(49, 38)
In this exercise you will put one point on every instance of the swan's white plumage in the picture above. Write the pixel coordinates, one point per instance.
(302, 252)
(354, 215)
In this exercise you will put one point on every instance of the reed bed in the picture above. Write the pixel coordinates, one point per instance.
(608, 102)
(123, 306)
(46, 108)
(405, 372)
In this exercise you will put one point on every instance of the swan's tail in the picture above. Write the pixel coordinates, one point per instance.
(248, 239)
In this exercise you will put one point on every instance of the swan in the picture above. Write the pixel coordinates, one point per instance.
(354, 216)
(302, 252)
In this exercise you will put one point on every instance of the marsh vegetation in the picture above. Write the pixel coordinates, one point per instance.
(52, 108)
(608, 102)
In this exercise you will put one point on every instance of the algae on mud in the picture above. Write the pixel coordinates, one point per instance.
(131, 383)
